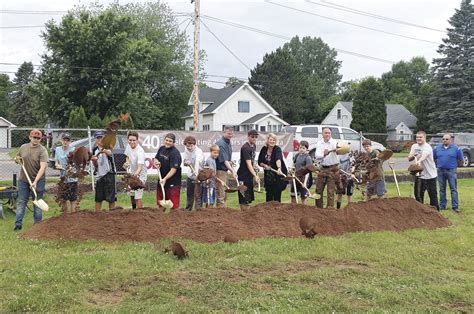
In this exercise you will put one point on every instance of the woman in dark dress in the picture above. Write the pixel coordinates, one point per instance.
(271, 157)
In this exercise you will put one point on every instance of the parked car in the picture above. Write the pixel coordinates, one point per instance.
(118, 151)
(465, 142)
(312, 133)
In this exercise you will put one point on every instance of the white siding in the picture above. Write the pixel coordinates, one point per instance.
(4, 140)
(331, 118)
(401, 133)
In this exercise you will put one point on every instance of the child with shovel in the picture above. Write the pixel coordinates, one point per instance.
(34, 159)
(193, 158)
(209, 186)
(301, 160)
(61, 155)
(168, 162)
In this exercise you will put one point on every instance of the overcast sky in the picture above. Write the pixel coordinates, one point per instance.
(24, 44)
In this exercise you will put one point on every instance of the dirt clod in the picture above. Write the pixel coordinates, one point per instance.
(177, 249)
(308, 227)
(263, 220)
(230, 239)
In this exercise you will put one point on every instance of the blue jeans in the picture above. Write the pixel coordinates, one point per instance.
(450, 176)
(24, 193)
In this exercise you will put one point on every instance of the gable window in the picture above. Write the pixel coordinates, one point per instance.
(206, 127)
(244, 106)
(339, 114)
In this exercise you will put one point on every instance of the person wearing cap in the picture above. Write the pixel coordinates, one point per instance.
(105, 174)
(168, 162)
(329, 175)
(34, 157)
(246, 173)
(61, 154)
(376, 182)
(223, 163)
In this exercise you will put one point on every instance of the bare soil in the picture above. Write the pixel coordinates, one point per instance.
(263, 220)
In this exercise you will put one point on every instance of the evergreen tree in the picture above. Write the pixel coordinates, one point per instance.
(5, 89)
(77, 118)
(452, 99)
(95, 122)
(368, 111)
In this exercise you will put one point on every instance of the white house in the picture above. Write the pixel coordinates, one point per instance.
(400, 122)
(240, 106)
(5, 140)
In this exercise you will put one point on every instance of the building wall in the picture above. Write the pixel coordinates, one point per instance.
(401, 133)
(332, 119)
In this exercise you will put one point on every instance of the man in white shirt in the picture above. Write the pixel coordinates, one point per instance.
(329, 174)
(193, 159)
(422, 153)
(135, 155)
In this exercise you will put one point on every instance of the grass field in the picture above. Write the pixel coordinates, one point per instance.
(415, 270)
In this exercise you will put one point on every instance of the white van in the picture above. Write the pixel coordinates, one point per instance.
(312, 133)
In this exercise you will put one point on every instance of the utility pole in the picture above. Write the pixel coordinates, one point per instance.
(196, 66)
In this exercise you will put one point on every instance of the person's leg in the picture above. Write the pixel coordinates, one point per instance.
(64, 206)
(21, 202)
(189, 194)
(138, 198)
(331, 190)
(38, 212)
(320, 184)
(133, 201)
(197, 194)
(350, 191)
(159, 196)
(380, 188)
(417, 189)
(453, 186)
(72, 197)
(432, 192)
(220, 195)
(269, 193)
(423, 187)
(442, 177)
(98, 206)
(173, 194)
(111, 205)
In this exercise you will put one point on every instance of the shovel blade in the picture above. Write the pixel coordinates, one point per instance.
(41, 204)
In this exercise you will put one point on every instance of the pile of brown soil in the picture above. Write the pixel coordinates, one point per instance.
(263, 220)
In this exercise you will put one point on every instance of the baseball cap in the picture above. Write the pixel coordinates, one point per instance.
(99, 134)
(66, 135)
(36, 133)
(252, 132)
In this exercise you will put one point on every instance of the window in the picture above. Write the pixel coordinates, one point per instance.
(244, 106)
(191, 128)
(309, 131)
(339, 114)
(206, 127)
(350, 135)
(335, 133)
(262, 128)
(288, 129)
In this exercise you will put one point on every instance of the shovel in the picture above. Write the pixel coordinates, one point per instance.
(258, 188)
(167, 204)
(310, 195)
(227, 188)
(40, 203)
(390, 164)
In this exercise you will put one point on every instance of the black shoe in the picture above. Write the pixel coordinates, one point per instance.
(17, 228)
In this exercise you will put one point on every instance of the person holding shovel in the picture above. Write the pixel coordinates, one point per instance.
(61, 154)
(193, 159)
(34, 158)
(301, 160)
(168, 162)
(329, 175)
(271, 160)
(246, 173)
(105, 175)
(135, 161)
(223, 163)
(376, 182)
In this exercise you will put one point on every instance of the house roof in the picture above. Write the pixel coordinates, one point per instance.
(5, 123)
(347, 105)
(213, 96)
(255, 118)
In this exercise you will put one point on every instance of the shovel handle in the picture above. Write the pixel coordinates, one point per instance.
(29, 180)
(222, 182)
(162, 186)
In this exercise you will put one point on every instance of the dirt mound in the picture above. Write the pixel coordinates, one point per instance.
(263, 220)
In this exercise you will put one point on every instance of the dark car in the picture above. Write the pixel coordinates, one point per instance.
(465, 141)
(118, 151)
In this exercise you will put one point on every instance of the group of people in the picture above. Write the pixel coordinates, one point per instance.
(335, 173)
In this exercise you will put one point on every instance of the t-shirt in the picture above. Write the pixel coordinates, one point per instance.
(104, 163)
(32, 157)
(302, 160)
(330, 159)
(378, 165)
(137, 156)
(211, 164)
(429, 167)
(196, 157)
(225, 153)
(247, 152)
(61, 156)
(447, 157)
(169, 158)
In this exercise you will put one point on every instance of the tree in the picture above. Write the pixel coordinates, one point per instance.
(348, 89)
(95, 122)
(279, 80)
(77, 118)
(422, 107)
(130, 58)
(368, 111)
(403, 82)
(314, 77)
(452, 98)
(233, 81)
(5, 89)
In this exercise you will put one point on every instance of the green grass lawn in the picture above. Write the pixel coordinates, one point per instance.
(415, 270)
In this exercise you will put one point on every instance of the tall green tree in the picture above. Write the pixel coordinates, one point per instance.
(368, 111)
(280, 81)
(77, 118)
(314, 63)
(348, 89)
(452, 98)
(403, 82)
(5, 89)
(233, 81)
(125, 58)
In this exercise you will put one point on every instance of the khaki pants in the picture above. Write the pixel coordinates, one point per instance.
(221, 195)
(329, 177)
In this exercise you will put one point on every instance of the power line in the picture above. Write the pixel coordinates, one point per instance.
(375, 16)
(263, 32)
(352, 24)
(22, 26)
(224, 45)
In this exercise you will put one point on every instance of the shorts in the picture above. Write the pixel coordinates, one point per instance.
(172, 193)
(376, 188)
(69, 193)
(347, 187)
(248, 196)
(105, 189)
(137, 194)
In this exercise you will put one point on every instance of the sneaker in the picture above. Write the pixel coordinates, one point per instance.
(17, 228)
(456, 210)
(442, 208)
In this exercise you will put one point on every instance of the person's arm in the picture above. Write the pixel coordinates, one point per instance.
(175, 162)
(411, 155)
(319, 153)
(424, 155)
(435, 154)
(278, 158)
(459, 157)
(261, 158)
(199, 159)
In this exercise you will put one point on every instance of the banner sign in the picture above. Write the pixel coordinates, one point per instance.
(152, 140)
